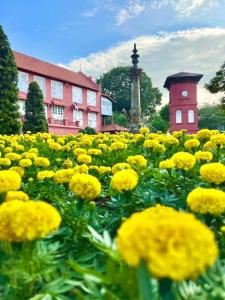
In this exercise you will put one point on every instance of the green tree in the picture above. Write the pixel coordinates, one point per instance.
(212, 117)
(117, 84)
(217, 83)
(164, 112)
(157, 123)
(9, 105)
(35, 120)
(120, 119)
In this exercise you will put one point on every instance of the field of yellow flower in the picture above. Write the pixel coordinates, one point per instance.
(112, 217)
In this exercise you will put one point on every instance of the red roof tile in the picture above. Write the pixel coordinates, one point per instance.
(113, 128)
(34, 65)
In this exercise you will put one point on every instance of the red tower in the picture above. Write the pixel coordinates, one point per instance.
(183, 101)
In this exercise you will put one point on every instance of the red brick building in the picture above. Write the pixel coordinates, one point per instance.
(72, 100)
(183, 102)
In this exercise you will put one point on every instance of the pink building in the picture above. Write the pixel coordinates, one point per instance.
(72, 100)
(183, 101)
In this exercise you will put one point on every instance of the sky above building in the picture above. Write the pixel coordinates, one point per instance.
(96, 35)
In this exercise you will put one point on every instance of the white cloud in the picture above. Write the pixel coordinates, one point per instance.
(90, 13)
(194, 50)
(133, 9)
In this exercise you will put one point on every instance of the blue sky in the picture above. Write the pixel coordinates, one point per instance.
(172, 35)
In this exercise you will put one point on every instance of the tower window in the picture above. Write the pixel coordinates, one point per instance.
(178, 116)
(191, 116)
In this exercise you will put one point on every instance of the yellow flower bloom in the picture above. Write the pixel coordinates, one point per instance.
(166, 164)
(207, 201)
(84, 158)
(144, 130)
(16, 195)
(19, 170)
(209, 146)
(8, 149)
(213, 172)
(9, 181)
(94, 151)
(118, 146)
(85, 186)
(174, 244)
(137, 161)
(22, 221)
(5, 162)
(68, 163)
(124, 180)
(81, 169)
(104, 170)
(13, 156)
(63, 176)
(218, 139)
(78, 151)
(45, 174)
(25, 162)
(42, 162)
(204, 134)
(192, 143)
(183, 160)
(154, 145)
(204, 155)
(171, 140)
(55, 146)
(120, 166)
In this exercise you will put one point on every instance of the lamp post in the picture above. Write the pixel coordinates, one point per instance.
(135, 74)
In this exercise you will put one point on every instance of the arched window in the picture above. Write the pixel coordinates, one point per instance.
(178, 116)
(191, 116)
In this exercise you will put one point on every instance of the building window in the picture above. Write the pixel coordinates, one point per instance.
(178, 116)
(46, 110)
(56, 89)
(78, 116)
(106, 107)
(22, 107)
(23, 82)
(41, 83)
(58, 112)
(191, 116)
(91, 98)
(77, 94)
(92, 120)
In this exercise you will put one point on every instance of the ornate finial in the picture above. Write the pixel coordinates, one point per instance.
(135, 56)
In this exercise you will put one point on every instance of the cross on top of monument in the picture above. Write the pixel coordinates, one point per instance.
(135, 56)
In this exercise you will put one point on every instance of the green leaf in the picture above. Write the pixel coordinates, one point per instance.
(144, 282)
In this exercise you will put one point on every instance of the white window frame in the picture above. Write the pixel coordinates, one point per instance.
(59, 94)
(22, 107)
(43, 87)
(77, 94)
(58, 112)
(92, 121)
(91, 98)
(178, 116)
(78, 116)
(191, 116)
(23, 84)
(106, 106)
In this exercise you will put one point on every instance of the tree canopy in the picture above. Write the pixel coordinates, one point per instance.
(9, 104)
(117, 84)
(212, 117)
(35, 120)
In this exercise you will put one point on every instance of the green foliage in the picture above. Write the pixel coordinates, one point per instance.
(117, 84)
(121, 119)
(35, 120)
(9, 106)
(212, 117)
(88, 130)
(217, 83)
(157, 123)
(164, 112)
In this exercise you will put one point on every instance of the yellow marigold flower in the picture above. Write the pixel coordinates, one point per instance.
(204, 134)
(84, 158)
(174, 244)
(5, 162)
(204, 155)
(192, 143)
(63, 176)
(25, 162)
(183, 160)
(171, 140)
(19, 170)
(86, 142)
(19, 148)
(207, 201)
(104, 170)
(102, 146)
(118, 146)
(42, 162)
(60, 140)
(93, 168)
(33, 150)
(16, 195)
(166, 164)
(29, 155)
(222, 228)
(177, 134)
(8, 149)
(9, 181)
(120, 166)
(68, 163)
(79, 151)
(144, 130)
(94, 151)
(81, 169)
(13, 156)
(85, 186)
(154, 145)
(213, 172)
(209, 146)
(138, 137)
(25, 221)
(137, 161)
(124, 180)
(41, 175)
(55, 146)
(218, 139)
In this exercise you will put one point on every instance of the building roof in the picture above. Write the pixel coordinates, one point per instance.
(182, 77)
(108, 97)
(113, 128)
(40, 67)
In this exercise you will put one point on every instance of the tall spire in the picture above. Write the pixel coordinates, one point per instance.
(135, 56)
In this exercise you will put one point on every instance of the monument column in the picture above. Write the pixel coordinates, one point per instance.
(135, 74)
